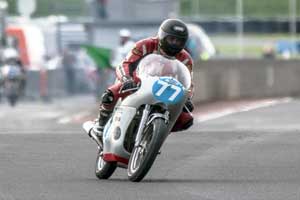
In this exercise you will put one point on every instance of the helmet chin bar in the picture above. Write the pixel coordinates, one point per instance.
(161, 52)
(172, 52)
(169, 50)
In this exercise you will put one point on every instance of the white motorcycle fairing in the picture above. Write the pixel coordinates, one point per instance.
(116, 128)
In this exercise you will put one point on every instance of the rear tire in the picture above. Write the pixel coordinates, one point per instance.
(103, 169)
(143, 156)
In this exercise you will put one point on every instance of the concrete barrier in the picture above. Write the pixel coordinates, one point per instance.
(214, 80)
(235, 79)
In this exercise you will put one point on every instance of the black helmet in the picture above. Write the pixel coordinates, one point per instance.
(172, 35)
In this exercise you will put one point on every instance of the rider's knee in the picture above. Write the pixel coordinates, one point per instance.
(107, 98)
(188, 124)
(184, 121)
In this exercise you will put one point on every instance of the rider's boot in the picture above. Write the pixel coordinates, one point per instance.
(100, 123)
(106, 108)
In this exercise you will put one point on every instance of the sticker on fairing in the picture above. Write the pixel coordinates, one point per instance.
(168, 90)
(106, 129)
(116, 120)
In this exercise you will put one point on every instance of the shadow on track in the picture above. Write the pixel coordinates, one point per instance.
(208, 181)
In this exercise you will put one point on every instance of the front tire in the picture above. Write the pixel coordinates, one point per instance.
(103, 169)
(143, 156)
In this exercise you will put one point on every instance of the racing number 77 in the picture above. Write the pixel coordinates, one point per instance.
(165, 85)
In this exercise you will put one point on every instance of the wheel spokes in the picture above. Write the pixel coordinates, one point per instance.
(141, 151)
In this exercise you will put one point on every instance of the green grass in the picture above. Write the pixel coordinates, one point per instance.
(252, 8)
(212, 8)
(228, 50)
(262, 36)
(253, 45)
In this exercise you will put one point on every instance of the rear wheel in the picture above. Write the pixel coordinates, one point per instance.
(143, 156)
(104, 169)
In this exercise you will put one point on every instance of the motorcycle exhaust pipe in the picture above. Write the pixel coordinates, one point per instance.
(88, 126)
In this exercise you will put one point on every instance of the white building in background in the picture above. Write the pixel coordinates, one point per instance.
(29, 40)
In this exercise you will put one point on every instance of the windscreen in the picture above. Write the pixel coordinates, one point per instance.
(157, 65)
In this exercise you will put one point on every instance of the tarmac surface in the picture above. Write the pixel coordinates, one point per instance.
(253, 155)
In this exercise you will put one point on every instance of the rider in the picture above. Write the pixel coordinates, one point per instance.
(11, 58)
(170, 41)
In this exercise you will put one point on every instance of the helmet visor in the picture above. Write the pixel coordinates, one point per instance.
(175, 42)
(171, 44)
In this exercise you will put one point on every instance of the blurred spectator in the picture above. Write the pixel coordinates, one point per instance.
(68, 62)
(102, 8)
(286, 54)
(125, 45)
(199, 44)
(287, 49)
(268, 51)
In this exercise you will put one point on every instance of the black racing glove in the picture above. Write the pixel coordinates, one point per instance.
(128, 83)
(188, 105)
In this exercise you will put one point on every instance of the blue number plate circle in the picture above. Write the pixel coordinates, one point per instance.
(168, 90)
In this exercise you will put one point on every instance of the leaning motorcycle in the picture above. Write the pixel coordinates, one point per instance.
(11, 83)
(141, 122)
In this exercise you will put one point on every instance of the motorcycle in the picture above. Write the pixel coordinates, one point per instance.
(11, 83)
(141, 122)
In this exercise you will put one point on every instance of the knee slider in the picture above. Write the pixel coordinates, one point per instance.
(107, 97)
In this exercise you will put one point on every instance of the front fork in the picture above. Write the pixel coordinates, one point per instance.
(144, 122)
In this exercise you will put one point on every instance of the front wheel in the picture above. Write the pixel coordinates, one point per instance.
(103, 169)
(143, 156)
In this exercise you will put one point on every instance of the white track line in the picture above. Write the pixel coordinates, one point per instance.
(71, 118)
(200, 117)
(240, 108)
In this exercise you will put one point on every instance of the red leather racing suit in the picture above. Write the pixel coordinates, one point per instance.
(128, 68)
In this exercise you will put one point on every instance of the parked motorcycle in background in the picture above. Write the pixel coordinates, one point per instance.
(11, 83)
(142, 121)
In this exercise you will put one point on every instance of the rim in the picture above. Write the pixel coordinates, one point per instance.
(141, 151)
